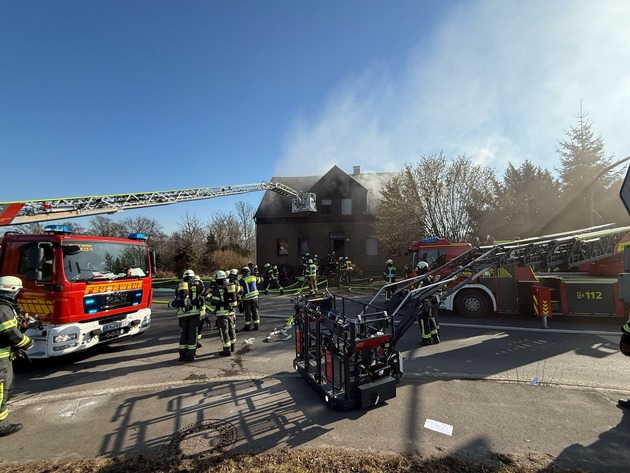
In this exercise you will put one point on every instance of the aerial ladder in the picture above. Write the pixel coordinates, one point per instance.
(347, 349)
(41, 210)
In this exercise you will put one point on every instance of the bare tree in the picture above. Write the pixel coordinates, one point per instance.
(105, 227)
(227, 232)
(188, 244)
(435, 197)
(245, 215)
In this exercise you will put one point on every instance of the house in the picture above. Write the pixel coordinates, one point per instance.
(343, 223)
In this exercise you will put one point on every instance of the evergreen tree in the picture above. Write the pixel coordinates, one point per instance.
(525, 199)
(583, 174)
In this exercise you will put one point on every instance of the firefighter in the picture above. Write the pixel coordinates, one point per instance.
(273, 281)
(310, 273)
(332, 261)
(427, 317)
(253, 268)
(250, 299)
(223, 303)
(203, 314)
(342, 271)
(233, 278)
(349, 269)
(624, 346)
(389, 275)
(10, 339)
(305, 259)
(188, 303)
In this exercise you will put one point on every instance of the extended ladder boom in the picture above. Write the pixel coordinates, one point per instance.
(31, 211)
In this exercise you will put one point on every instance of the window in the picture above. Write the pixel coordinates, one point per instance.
(435, 258)
(282, 246)
(47, 263)
(326, 207)
(304, 246)
(371, 247)
(346, 206)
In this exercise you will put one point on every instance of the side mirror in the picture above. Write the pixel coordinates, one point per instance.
(34, 261)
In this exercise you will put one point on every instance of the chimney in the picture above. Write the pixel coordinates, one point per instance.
(356, 170)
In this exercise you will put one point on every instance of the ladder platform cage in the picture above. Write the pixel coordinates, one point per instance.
(343, 349)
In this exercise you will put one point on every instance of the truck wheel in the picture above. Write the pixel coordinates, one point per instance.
(471, 303)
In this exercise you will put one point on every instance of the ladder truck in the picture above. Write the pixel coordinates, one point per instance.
(82, 291)
(346, 349)
(581, 273)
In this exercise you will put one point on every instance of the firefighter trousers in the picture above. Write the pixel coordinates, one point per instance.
(227, 331)
(188, 336)
(429, 327)
(6, 388)
(250, 308)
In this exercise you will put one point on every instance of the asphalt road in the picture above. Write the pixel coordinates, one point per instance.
(129, 397)
(579, 352)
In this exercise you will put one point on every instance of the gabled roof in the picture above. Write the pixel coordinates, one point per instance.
(274, 205)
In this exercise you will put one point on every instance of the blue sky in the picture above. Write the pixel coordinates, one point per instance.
(131, 96)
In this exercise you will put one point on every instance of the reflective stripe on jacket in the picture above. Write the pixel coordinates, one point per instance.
(250, 290)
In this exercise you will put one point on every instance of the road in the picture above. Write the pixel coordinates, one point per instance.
(130, 397)
(569, 352)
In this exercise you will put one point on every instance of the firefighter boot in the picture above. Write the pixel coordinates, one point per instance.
(232, 347)
(182, 355)
(246, 328)
(11, 429)
(225, 352)
(435, 339)
(256, 325)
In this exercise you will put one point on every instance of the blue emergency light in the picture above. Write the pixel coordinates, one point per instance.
(432, 239)
(137, 236)
(58, 229)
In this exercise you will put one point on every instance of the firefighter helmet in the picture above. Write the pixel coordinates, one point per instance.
(310, 261)
(197, 278)
(245, 270)
(233, 273)
(422, 267)
(218, 274)
(267, 265)
(189, 273)
(10, 286)
(389, 261)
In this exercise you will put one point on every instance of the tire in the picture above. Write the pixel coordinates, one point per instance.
(472, 303)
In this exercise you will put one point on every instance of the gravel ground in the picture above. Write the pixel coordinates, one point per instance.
(289, 461)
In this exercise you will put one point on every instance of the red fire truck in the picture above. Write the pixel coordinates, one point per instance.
(579, 267)
(84, 290)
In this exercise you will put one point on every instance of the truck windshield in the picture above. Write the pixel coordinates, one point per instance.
(105, 260)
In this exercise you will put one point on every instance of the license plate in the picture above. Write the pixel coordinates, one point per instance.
(114, 325)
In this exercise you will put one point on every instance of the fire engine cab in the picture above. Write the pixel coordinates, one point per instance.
(84, 290)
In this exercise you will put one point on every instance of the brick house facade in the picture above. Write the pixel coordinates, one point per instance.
(344, 221)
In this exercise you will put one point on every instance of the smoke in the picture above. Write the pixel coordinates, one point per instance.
(498, 81)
